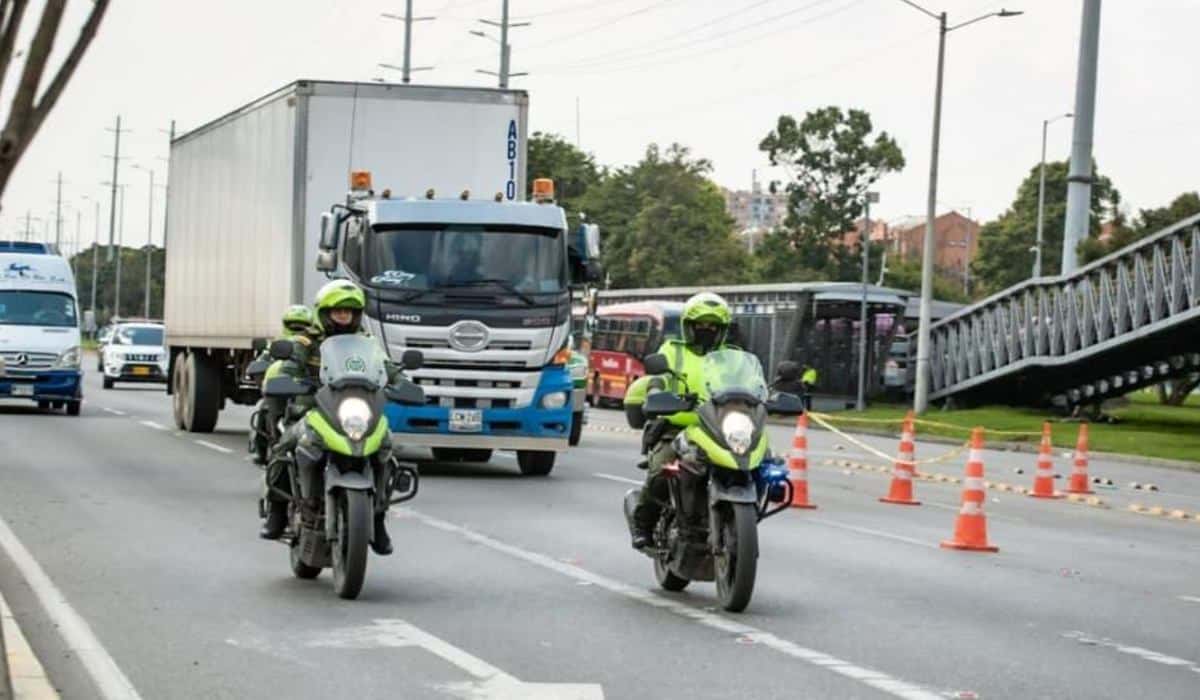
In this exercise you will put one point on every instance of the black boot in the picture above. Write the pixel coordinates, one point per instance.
(382, 544)
(276, 521)
(644, 518)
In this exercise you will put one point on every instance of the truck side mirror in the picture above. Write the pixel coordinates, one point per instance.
(328, 231)
(591, 235)
(593, 272)
(327, 261)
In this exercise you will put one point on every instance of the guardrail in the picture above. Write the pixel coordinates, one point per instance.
(1127, 320)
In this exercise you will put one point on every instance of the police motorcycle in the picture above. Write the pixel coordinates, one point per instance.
(724, 481)
(334, 479)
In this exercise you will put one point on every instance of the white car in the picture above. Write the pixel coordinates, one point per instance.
(134, 353)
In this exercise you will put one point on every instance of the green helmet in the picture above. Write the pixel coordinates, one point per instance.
(339, 294)
(705, 309)
(298, 318)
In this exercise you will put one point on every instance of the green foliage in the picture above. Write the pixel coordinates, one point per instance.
(906, 274)
(133, 281)
(572, 170)
(664, 223)
(1150, 221)
(833, 159)
(1005, 245)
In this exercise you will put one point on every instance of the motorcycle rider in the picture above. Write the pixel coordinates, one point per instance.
(339, 309)
(705, 326)
(299, 322)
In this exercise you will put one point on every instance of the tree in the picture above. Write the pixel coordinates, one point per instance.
(1006, 244)
(906, 274)
(832, 159)
(28, 110)
(664, 223)
(572, 170)
(133, 281)
(1150, 221)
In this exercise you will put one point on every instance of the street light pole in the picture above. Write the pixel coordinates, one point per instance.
(1037, 253)
(921, 392)
(96, 258)
(865, 241)
(149, 244)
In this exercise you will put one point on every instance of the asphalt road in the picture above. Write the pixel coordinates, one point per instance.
(147, 570)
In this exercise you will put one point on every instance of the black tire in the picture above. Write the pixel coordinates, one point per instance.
(576, 429)
(197, 394)
(108, 383)
(535, 462)
(43, 405)
(737, 561)
(74, 407)
(350, 547)
(177, 385)
(299, 568)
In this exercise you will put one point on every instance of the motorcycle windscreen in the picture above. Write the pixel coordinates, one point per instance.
(356, 357)
(732, 371)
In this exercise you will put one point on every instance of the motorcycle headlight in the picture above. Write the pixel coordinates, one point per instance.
(355, 415)
(739, 431)
(69, 359)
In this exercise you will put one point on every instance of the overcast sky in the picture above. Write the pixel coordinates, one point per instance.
(711, 74)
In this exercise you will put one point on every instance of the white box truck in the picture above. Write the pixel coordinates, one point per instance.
(259, 196)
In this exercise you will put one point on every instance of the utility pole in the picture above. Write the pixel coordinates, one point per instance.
(865, 241)
(58, 214)
(112, 218)
(120, 238)
(1079, 183)
(407, 69)
(505, 48)
(166, 188)
(95, 258)
(28, 223)
(75, 247)
(149, 244)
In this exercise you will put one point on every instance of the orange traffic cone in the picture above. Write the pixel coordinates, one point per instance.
(1079, 475)
(901, 491)
(798, 464)
(970, 530)
(1043, 483)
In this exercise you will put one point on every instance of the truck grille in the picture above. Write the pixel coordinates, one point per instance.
(440, 344)
(16, 360)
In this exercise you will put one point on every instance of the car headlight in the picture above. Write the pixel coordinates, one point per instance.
(355, 415)
(69, 359)
(556, 400)
(739, 431)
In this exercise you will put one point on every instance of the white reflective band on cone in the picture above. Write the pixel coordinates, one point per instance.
(906, 456)
(971, 508)
(901, 475)
(975, 455)
(973, 483)
(798, 453)
(1045, 473)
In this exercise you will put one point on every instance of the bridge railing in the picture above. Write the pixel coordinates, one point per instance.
(1140, 290)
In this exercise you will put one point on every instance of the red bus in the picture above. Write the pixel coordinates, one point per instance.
(624, 334)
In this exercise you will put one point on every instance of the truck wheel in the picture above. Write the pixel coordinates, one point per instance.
(534, 462)
(576, 429)
(197, 394)
(73, 407)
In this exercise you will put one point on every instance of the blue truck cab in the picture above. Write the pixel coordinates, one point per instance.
(39, 328)
(482, 287)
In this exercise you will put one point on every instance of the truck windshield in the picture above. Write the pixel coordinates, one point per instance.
(37, 309)
(527, 261)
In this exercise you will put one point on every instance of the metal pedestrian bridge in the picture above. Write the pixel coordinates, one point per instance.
(1128, 320)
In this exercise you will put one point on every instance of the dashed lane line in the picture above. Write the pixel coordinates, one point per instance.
(872, 533)
(114, 411)
(152, 424)
(213, 446)
(870, 677)
(1190, 598)
(1140, 652)
(618, 479)
(108, 677)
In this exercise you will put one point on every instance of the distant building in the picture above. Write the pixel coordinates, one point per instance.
(955, 241)
(756, 211)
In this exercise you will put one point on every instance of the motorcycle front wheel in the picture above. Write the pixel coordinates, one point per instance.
(350, 548)
(737, 555)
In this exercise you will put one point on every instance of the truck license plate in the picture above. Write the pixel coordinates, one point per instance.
(466, 421)
(22, 390)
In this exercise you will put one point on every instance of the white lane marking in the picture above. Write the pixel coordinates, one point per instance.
(152, 424)
(491, 682)
(873, 533)
(114, 411)
(875, 679)
(1140, 652)
(619, 479)
(213, 446)
(111, 682)
(1190, 598)
(24, 670)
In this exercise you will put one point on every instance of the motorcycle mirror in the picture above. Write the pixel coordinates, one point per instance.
(664, 404)
(284, 387)
(405, 392)
(255, 370)
(412, 359)
(788, 371)
(281, 349)
(656, 364)
(785, 404)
